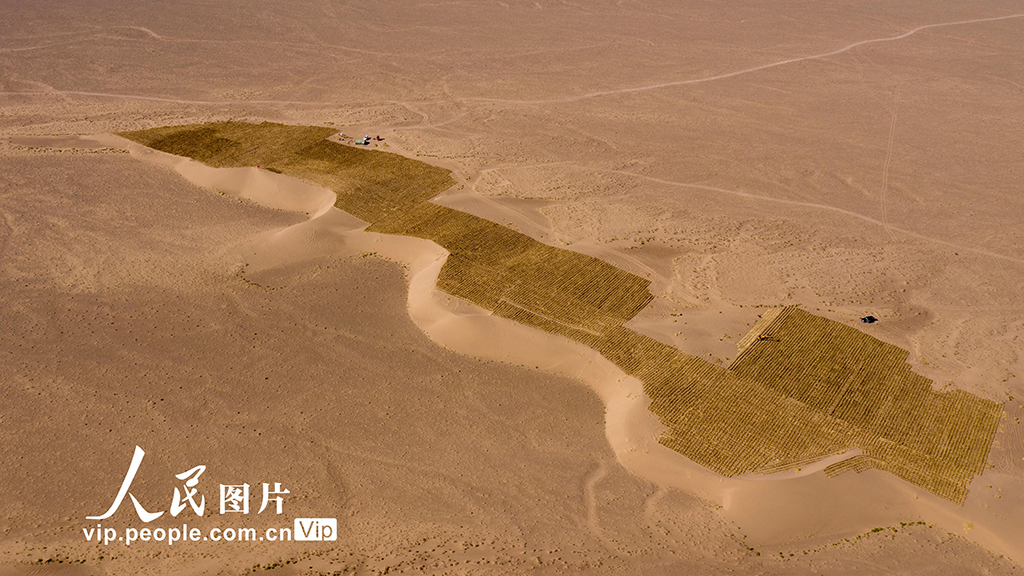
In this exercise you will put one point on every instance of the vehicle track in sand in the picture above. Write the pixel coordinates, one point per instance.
(593, 522)
(818, 206)
(894, 115)
(562, 100)
(888, 162)
(726, 75)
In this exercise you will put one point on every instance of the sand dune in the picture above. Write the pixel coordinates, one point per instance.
(631, 431)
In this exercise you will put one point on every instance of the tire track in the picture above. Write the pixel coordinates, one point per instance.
(593, 524)
(567, 99)
(752, 69)
(818, 206)
(888, 162)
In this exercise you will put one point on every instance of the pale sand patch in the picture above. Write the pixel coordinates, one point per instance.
(520, 215)
(261, 186)
(86, 142)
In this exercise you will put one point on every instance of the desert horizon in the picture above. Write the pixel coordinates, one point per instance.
(506, 333)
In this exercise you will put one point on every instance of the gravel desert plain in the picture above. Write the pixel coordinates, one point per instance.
(589, 300)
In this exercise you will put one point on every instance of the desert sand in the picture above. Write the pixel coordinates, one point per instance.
(849, 160)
